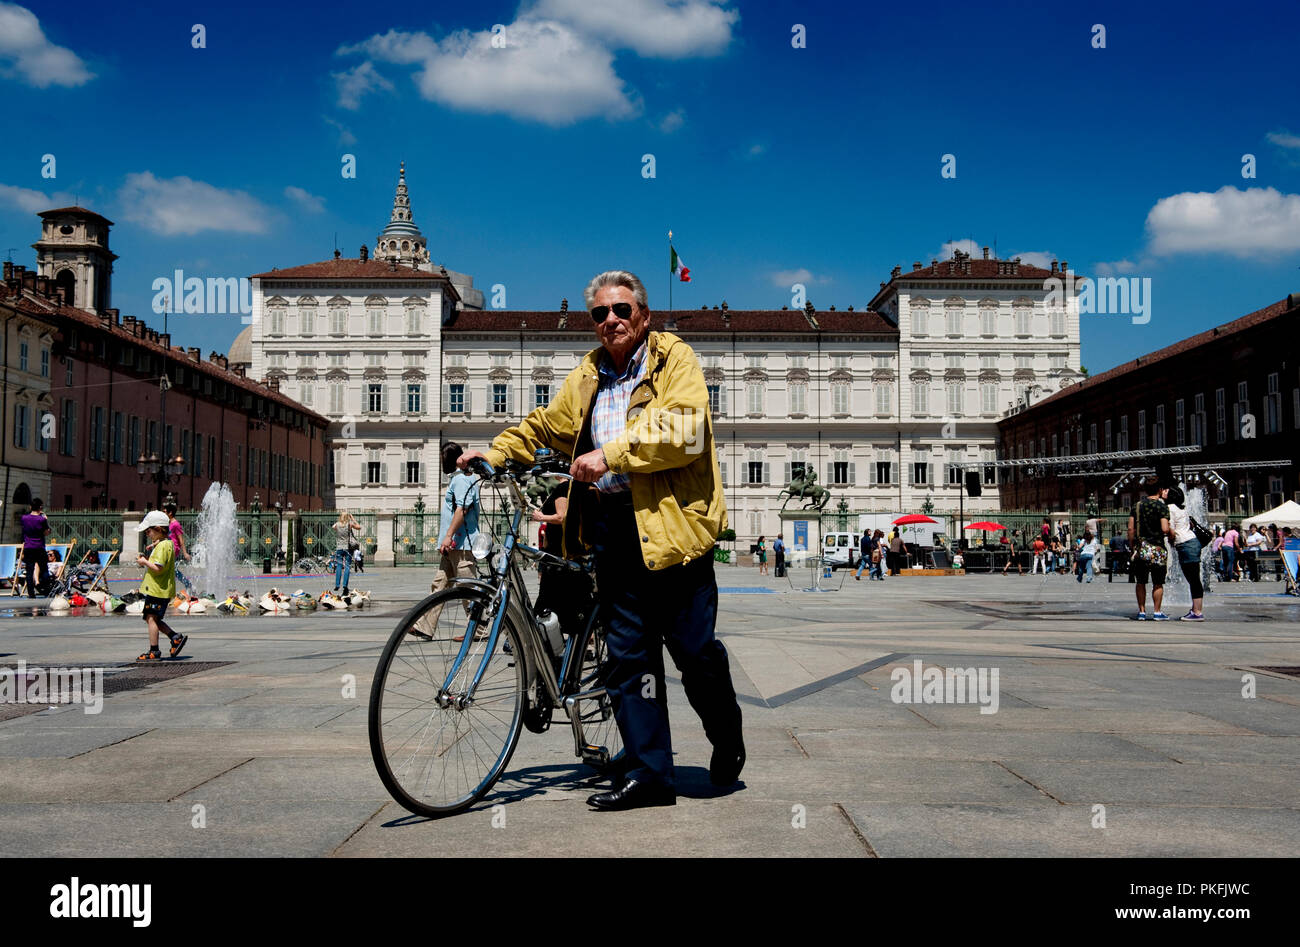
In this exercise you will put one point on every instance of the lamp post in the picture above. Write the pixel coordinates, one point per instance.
(160, 472)
(282, 505)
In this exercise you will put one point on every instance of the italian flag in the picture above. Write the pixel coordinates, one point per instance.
(676, 265)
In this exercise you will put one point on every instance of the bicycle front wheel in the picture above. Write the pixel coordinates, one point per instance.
(435, 759)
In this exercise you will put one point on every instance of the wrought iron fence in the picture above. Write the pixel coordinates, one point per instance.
(96, 530)
(314, 534)
(415, 538)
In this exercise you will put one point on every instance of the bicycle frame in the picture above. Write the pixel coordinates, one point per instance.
(510, 596)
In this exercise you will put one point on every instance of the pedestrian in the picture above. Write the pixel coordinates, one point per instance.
(176, 533)
(1040, 556)
(1231, 540)
(1013, 552)
(460, 516)
(877, 556)
(358, 559)
(864, 547)
(648, 497)
(159, 584)
(1256, 542)
(345, 529)
(1188, 548)
(1045, 531)
(1088, 552)
(1118, 556)
(762, 555)
(897, 552)
(35, 528)
(1216, 552)
(778, 551)
(1148, 524)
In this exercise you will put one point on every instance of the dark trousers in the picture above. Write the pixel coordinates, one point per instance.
(643, 612)
(34, 559)
(780, 565)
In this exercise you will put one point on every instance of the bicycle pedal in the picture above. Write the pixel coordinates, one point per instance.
(597, 756)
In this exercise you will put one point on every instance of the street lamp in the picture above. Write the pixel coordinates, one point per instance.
(159, 472)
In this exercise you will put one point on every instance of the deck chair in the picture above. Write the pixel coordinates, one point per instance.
(10, 559)
(53, 570)
(63, 578)
(100, 561)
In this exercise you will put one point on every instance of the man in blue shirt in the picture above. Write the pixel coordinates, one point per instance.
(460, 507)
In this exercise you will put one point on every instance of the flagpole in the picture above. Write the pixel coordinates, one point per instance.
(670, 272)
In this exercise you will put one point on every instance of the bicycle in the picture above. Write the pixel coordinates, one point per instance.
(472, 664)
(312, 565)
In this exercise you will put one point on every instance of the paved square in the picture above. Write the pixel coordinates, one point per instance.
(1147, 720)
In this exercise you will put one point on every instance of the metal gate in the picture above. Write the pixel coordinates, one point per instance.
(415, 538)
(91, 530)
(314, 535)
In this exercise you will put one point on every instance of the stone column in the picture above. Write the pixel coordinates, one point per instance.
(132, 542)
(386, 521)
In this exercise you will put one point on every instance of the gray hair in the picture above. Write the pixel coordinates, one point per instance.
(616, 278)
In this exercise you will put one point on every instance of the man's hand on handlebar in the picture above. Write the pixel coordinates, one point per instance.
(466, 461)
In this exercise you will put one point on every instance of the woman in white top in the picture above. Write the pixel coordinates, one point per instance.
(344, 530)
(1189, 551)
(1089, 549)
(1256, 543)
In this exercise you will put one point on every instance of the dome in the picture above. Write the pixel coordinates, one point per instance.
(241, 350)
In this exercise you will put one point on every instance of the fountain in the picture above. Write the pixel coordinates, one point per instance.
(1176, 588)
(216, 540)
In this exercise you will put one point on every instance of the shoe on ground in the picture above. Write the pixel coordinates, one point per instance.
(153, 654)
(1160, 616)
(1192, 616)
(633, 794)
(1141, 616)
(177, 643)
(726, 763)
(480, 635)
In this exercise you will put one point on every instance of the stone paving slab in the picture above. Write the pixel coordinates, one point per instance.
(942, 831)
(1093, 709)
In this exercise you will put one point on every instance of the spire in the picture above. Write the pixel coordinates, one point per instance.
(401, 239)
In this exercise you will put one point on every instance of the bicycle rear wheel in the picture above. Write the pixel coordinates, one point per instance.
(437, 760)
(599, 728)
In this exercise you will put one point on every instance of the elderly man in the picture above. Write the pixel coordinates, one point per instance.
(647, 498)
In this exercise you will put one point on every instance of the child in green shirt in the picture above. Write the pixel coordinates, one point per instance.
(159, 585)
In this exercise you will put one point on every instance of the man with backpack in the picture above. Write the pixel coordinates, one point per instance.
(1147, 526)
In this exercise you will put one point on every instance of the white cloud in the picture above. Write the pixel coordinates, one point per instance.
(181, 205)
(345, 134)
(1039, 258)
(1115, 268)
(354, 83)
(756, 151)
(786, 278)
(25, 52)
(1284, 139)
(673, 121)
(542, 71)
(24, 198)
(1241, 223)
(665, 29)
(305, 200)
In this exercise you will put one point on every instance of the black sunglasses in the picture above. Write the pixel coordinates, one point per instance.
(622, 310)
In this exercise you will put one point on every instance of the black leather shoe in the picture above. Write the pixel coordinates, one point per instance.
(726, 763)
(633, 795)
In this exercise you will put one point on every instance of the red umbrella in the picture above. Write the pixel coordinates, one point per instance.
(911, 518)
(984, 526)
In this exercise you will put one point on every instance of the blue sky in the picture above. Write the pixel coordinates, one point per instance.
(772, 163)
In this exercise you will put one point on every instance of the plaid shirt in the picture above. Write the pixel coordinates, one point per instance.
(613, 394)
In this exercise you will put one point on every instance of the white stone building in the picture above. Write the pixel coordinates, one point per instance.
(889, 406)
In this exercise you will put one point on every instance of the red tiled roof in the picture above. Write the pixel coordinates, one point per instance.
(980, 269)
(345, 269)
(1210, 336)
(81, 211)
(688, 321)
(50, 309)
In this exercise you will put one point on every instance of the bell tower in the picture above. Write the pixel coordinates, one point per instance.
(401, 240)
(73, 254)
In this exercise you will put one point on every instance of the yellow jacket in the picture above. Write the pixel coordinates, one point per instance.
(667, 452)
